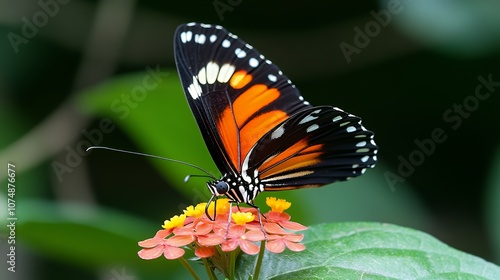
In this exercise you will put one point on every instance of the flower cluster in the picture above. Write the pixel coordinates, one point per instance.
(234, 227)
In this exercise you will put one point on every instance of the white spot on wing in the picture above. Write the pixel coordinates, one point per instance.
(200, 38)
(309, 117)
(202, 76)
(253, 62)
(350, 129)
(361, 144)
(226, 43)
(187, 36)
(212, 72)
(194, 89)
(240, 53)
(312, 128)
(365, 158)
(337, 118)
(278, 132)
(213, 38)
(272, 78)
(225, 73)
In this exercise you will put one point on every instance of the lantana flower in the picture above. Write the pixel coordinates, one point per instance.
(233, 229)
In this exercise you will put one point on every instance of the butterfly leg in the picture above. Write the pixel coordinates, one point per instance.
(215, 207)
(229, 217)
(259, 214)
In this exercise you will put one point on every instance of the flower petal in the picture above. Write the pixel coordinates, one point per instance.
(292, 225)
(211, 239)
(255, 235)
(277, 216)
(204, 252)
(294, 237)
(180, 240)
(236, 230)
(275, 246)
(151, 242)
(273, 228)
(150, 253)
(184, 231)
(249, 247)
(162, 233)
(296, 247)
(203, 227)
(241, 218)
(172, 253)
(230, 245)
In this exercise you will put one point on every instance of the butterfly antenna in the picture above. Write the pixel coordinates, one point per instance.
(186, 179)
(158, 157)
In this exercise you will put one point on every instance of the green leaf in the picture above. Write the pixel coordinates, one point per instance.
(369, 251)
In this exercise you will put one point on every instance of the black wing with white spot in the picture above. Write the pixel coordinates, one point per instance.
(235, 93)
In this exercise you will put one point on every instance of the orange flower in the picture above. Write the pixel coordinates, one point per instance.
(244, 230)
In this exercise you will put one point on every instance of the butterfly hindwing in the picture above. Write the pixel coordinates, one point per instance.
(314, 147)
(235, 93)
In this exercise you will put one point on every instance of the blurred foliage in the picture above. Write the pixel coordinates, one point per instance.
(427, 60)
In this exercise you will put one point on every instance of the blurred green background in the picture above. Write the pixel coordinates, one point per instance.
(73, 72)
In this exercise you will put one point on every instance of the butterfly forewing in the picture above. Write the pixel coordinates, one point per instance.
(235, 93)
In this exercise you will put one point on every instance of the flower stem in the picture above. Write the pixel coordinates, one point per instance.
(232, 264)
(259, 260)
(209, 270)
(189, 268)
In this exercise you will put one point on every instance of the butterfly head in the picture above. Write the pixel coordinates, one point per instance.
(218, 187)
(236, 187)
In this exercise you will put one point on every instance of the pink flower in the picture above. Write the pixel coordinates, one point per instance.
(276, 243)
(237, 237)
(154, 247)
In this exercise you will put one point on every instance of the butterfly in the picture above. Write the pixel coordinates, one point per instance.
(259, 130)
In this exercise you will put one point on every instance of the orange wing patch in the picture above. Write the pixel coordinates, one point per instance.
(297, 156)
(240, 117)
(240, 79)
(257, 127)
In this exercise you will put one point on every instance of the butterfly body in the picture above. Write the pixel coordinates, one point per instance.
(260, 131)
